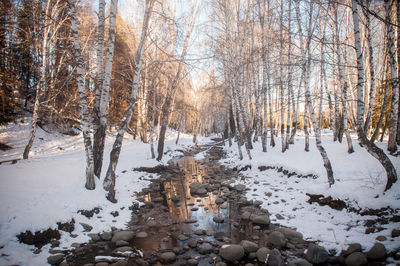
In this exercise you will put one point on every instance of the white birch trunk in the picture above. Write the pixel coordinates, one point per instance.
(109, 180)
(371, 147)
(85, 124)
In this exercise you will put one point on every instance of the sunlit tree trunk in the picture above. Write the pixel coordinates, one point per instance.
(392, 145)
(371, 147)
(101, 128)
(85, 120)
(109, 180)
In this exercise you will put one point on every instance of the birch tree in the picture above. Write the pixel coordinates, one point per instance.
(109, 180)
(371, 147)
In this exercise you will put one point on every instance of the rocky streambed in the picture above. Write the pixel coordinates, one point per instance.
(193, 215)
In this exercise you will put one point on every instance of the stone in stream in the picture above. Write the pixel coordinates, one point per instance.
(197, 188)
(192, 243)
(200, 232)
(231, 252)
(378, 251)
(218, 219)
(175, 199)
(316, 254)
(167, 257)
(123, 235)
(192, 262)
(182, 237)
(277, 239)
(219, 201)
(249, 246)
(56, 259)
(299, 263)
(260, 219)
(356, 259)
(262, 254)
(205, 248)
(195, 208)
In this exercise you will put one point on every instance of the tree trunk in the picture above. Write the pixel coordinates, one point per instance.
(100, 134)
(109, 180)
(42, 84)
(85, 124)
(382, 114)
(394, 112)
(371, 147)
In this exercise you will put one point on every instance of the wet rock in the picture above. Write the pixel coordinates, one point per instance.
(299, 263)
(316, 254)
(378, 251)
(356, 259)
(167, 257)
(175, 199)
(277, 239)
(219, 201)
(192, 262)
(200, 232)
(205, 248)
(231, 252)
(123, 235)
(260, 219)
(290, 234)
(56, 259)
(218, 219)
(106, 236)
(192, 243)
(123, 249)
(219, 235)
(142, 235)
(262, 254)
(182, 237)
(121, 243)
(249, 246)
(197, 188)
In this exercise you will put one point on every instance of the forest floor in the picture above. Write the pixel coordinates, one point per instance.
(47, 192)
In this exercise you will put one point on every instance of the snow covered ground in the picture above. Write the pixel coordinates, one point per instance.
(48, 188)
(360, 181)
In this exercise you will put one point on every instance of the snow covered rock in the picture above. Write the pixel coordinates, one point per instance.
(316, 254)
(231, 252)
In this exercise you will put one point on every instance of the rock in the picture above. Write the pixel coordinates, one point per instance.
(395, 233)
(198, 188)
(205, 248)
(121, 263)
(103, 263)
(355, 247)
(151, 223)
(158, 199)
(356, 259)
(249, 246)
(200, 232)
(218, 219)
(141, 235)
(123, 249)
(231, 252)
(195, 208)
(56, 259)
(279, 216)
(175, 199)
(220, 264)
(192, 262)
(277, 239)
(275, 258)
(219, 201)
(260, 219)
(378, 251)
(192, 243)
(289, 233)
(121, 243)
(64, 263)
(316, 254)
(262, 254)
(240, 187)
(123, 235)
(182, 237)
(299, 263)
(245, 216)
(381, 238)
(86, 227)
(167, 257)
(106, 236)
(219, 235)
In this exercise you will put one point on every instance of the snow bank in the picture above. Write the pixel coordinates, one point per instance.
(48, 188)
